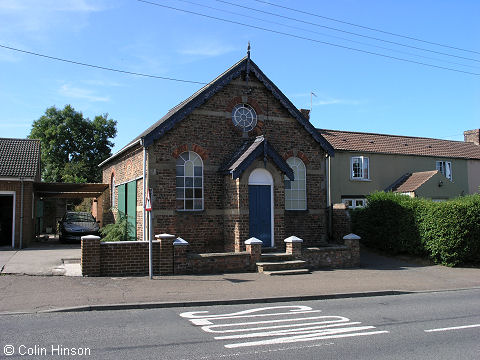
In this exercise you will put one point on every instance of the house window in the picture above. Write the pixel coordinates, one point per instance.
(360, 168)
(189, 189)
(355, 203)
(445, 167)
(296, 190)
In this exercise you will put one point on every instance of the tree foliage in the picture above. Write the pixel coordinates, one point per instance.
(73, 146)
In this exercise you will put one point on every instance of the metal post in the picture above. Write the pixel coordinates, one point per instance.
(150, 235)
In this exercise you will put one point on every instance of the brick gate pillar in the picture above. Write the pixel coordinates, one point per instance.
(254, 248)
(90, 261)
(180, 256)
(294, 246)
(166, 253)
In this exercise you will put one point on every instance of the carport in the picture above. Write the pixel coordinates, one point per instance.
(69, 191)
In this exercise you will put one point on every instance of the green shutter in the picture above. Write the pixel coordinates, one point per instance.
(132, 210)
(121, 199)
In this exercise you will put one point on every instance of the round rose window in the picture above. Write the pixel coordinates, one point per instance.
(244, 117)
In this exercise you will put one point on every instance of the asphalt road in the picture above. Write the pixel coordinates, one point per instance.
(441, 325)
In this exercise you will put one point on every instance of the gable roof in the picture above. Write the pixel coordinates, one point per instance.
(179, 112)
(403, 145)
(410, 182)
(248, 152)
(19, 158)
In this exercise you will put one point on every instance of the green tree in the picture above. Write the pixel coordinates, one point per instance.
(73, 146)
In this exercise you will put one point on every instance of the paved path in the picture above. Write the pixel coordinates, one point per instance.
(40, 259)
(378, 273)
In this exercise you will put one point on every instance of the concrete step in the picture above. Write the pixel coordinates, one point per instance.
(266, 250)
(288, 272)
(71, 261)
(280, 265)
(273, 257)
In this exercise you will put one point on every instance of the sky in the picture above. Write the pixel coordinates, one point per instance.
(300, 51)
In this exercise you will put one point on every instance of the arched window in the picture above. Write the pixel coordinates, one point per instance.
(112, 191)
(296, 191)
(189, 182)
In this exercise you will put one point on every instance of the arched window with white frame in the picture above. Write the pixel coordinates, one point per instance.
(189, 182)
(296, 190)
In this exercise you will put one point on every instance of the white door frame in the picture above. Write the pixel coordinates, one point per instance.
(10, 193)
(263, 177)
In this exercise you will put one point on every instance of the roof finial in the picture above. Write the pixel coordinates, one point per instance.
(247, 65)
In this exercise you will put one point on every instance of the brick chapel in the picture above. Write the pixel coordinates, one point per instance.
(235, 160)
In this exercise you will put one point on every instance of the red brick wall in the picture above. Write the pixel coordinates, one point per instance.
(123, 258)
(341, 223)
(127, 167)
(28, 217)
(223, 224)
(218, 263)
(333, 257)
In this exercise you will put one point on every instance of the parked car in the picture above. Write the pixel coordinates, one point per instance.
(74, 225)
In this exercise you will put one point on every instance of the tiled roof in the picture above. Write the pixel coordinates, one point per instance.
(411, 182)
(404, 145)
(19, 157)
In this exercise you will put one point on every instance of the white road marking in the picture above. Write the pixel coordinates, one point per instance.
(339, 320)
(266, 321)
(290, 340)
(291, 328)
(308, 330)
(248, 313)
(454, 328)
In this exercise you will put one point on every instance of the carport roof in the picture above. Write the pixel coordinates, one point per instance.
(65, 190)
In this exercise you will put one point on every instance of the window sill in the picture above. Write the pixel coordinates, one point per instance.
(361, 180)
(296, 211)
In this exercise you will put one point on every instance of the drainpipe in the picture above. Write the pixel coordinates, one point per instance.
(144, 189)
(329, 196)
(21, 214)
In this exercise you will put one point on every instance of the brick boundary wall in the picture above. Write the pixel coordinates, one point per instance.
(120, 258)
(130, 258)
(333, 257)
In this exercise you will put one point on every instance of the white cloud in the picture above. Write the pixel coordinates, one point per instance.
(103, 83)
(79, 93)
(50, 5)
(206, 48)
(323, 100)
(331, 101)
(35, 17)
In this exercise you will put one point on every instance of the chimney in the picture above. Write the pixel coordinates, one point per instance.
(305, 113)
(472, 136)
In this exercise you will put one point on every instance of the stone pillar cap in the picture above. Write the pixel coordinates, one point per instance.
(180, 242)
(165, 236)
(351, 237)
(293, 239)
(253, 241)
(90, 237)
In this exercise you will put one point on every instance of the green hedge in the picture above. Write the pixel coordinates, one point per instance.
(448, 232)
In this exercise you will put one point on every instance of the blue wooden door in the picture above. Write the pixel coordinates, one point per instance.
(260, 204)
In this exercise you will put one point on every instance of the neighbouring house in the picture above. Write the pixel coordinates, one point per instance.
(235, 160)
(425, 167)
(19, 169)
